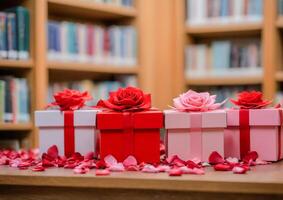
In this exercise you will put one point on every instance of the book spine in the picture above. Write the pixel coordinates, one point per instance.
(11, 36)
(3, 36)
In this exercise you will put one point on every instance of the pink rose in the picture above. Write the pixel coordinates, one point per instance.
(194, 101)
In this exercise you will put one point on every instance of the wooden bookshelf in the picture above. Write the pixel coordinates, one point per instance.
(16, 63)
(227, 28)
(16, 127)
(92, 68)
(83, 8)
(268, 31)
(204, 81)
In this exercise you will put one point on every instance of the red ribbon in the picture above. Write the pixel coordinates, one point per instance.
(129, 131)
(69, 133)
(244, 121)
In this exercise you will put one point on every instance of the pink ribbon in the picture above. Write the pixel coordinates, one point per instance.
(196, 136)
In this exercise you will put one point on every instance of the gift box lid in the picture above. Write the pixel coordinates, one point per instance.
(137, 120)
(211, 119)
(257, 117)
(55, 118)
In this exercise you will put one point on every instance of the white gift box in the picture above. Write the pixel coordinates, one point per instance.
(52, 130)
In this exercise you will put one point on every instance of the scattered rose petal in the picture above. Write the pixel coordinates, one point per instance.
(100, 164)
(222, 167)
(196, 160)
(38, 169)
(118, 167)
(80, 170)
(232, 160)
(176, 161)
(89, 156)
(261, 162)
(239, 170)
(252, 155)
(149, 169)
(132, 168)
(215, 158)
(52, 152)
(102, 172)
(187, 170)
(175, 172)
(110, 160)
(191, 164)
(205, 164)
(130, 160)
(163, 168)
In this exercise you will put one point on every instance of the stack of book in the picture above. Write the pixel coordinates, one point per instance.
(224, 58)
(202, 12)
(98, 90)
(14, 100)
(114, 45)
(127, 3)
(14, 33)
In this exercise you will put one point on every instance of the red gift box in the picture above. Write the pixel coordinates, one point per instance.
(130, 133)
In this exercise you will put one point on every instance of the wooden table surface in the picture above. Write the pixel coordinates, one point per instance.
(262, 180)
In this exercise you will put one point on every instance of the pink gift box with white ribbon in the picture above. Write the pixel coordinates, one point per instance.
(192, 135)
(257, 130)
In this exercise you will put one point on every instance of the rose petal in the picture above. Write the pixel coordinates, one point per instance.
(232, 160)
(222, 167)
(102, 172)
(175, 172)
(163, 168)
(110, 160)
(89, 155)
(187, 170)
(38, 169)
(130, 160)
(52, 152)
(250, 156)
(149, 169)
(132, 168)
(239, 170)
(118, 167)
(215, 158)
(261, 162)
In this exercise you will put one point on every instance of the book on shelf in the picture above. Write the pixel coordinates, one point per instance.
(14, 33)
(98, 89)
(202, 12)
(87, 43)
(224, 58)
(14, 100)
(127, 3)
(280, 7)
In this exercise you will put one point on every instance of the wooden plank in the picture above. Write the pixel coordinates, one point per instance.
(16, 63)
(90, 9)
(271, 52)
(251, 80)
(85, 67)
(209, 29)
(266, 179)
(15, 127)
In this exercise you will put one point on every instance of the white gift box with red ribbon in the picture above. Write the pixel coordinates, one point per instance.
(70, 131)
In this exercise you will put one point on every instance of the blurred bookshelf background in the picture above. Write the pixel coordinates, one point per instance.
(162, 46)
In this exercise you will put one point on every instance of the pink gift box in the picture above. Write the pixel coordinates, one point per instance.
(194, 134)
(77, 135)
(263, 133)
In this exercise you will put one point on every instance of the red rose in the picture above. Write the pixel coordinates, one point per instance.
(250, 100)
(70, 99)
(127, 99)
